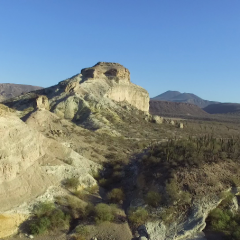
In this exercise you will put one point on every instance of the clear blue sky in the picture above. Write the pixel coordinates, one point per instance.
(184, 45)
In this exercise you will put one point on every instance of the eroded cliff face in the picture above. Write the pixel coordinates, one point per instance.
(30, 164)
(132, 94)
(118, 88)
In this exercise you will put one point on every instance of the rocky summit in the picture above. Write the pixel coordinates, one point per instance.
(119, 86)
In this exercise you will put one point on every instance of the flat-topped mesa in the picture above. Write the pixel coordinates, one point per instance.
(114, 80)
(107, 70)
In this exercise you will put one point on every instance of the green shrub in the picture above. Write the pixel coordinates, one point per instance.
(71, 183)
(48, 217)
(185, 198)
(116, 195)
(89, 210)
(236, 233)
(220, 219)
(76, 207)
(138, 216)
(105, 183)
(224, 221)
(39, 226)
(58, 219)
(172, 192)
(167, 215)
(103, 213)
(43, 208)
(153, 198)
(83, 231)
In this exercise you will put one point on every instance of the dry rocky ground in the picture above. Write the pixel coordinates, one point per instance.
(95, 128)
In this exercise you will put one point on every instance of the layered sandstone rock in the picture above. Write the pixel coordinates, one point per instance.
(42, 102)
(30, 164)
(118, 88)
(136, 96)
(72, 87)
(108, 70)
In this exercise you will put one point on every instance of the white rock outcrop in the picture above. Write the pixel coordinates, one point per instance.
(95, 88)
(42, 102)
(30, 164)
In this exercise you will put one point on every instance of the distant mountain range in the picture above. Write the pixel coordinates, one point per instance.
(175, 96)
(10, 90)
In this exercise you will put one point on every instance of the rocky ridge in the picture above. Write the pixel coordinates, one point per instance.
(96, 89)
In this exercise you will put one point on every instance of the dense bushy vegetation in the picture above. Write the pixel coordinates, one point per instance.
(138, 216)
(71, 182)
(104, 212)
(153, 198)
(222, 219)
(48, 217)
(116, 195)
(159, 162)
(192, 152)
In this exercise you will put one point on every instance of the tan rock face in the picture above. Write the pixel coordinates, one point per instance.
(42, 102)
(133, 94)
(111, 71)
(118, 88)
(9, 223)
(72, 87)
(30, 164)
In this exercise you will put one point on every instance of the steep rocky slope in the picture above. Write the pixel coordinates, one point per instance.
(10, 90)
(175, 96)
(164, 108)
(31, 166)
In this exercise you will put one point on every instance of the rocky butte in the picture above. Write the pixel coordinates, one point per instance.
(119, 86)
(33, 159)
